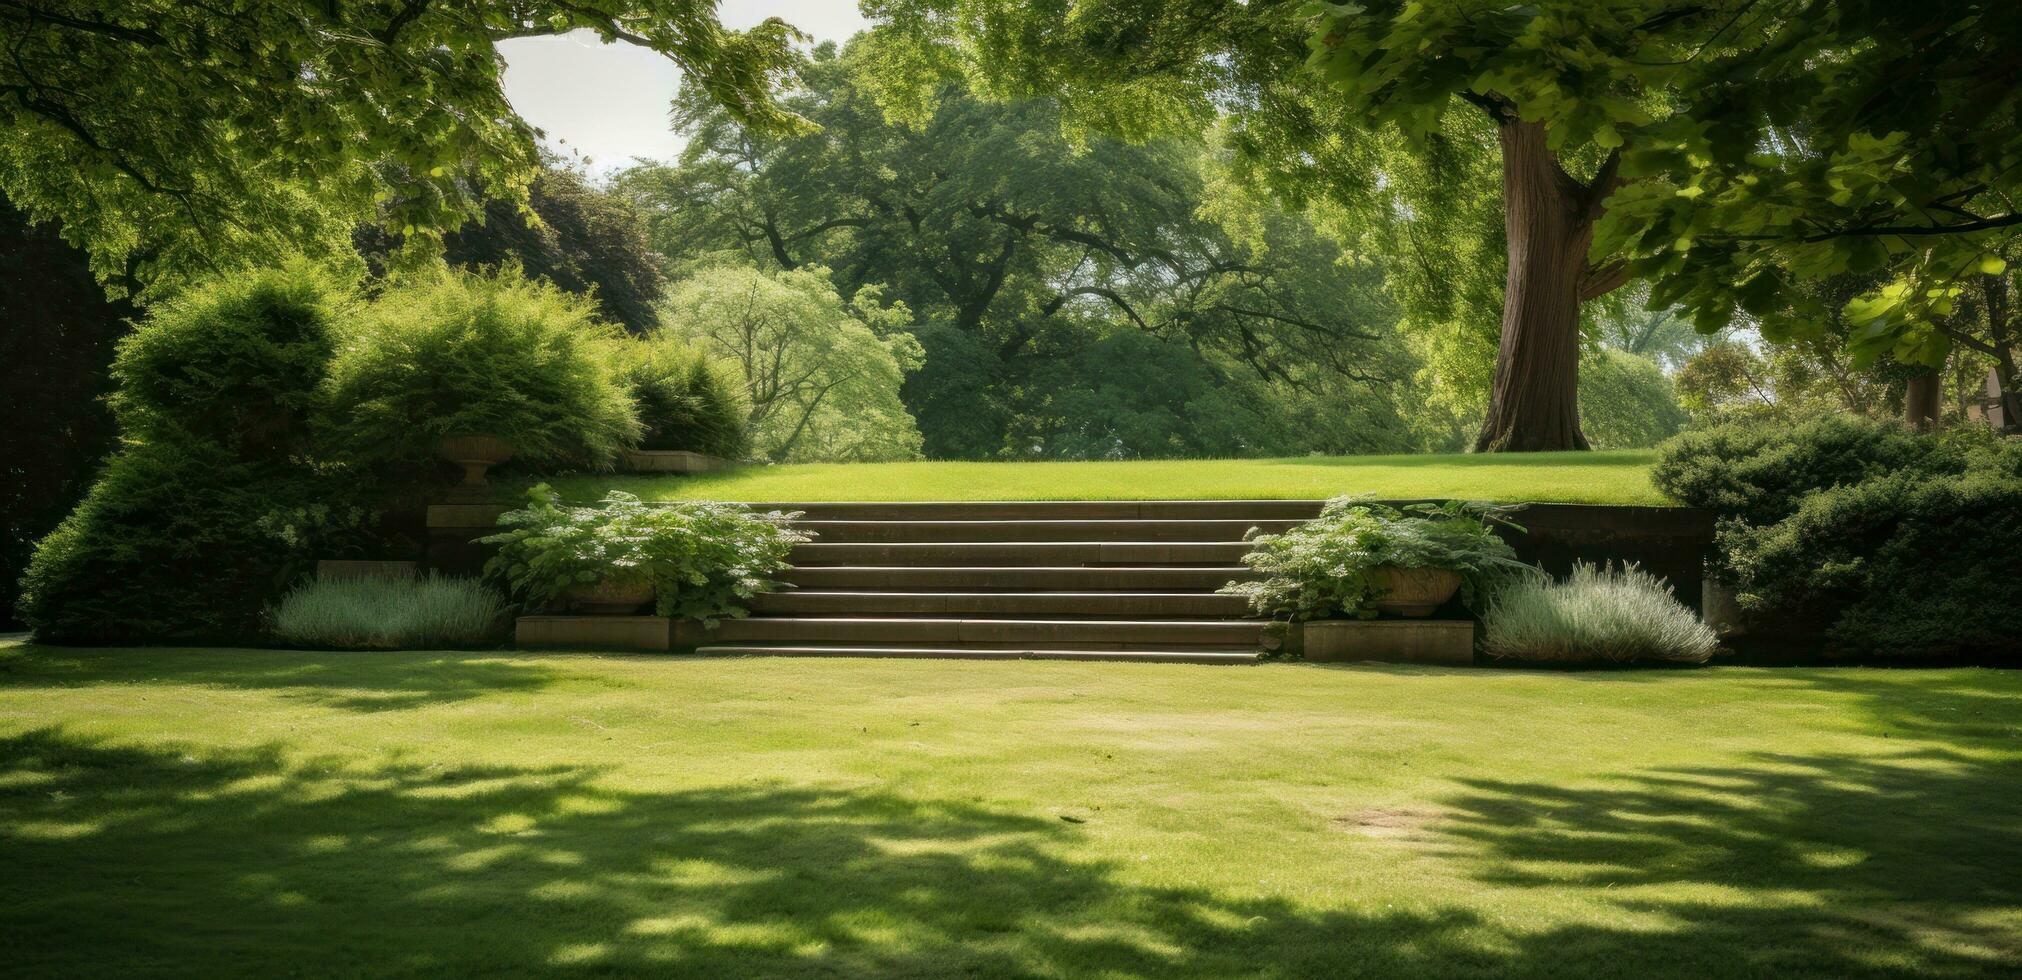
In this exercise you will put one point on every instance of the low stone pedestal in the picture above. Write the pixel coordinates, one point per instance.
(602, 633)
(1391, 641)
(672, 461)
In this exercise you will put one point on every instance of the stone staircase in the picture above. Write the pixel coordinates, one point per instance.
(1063, 580)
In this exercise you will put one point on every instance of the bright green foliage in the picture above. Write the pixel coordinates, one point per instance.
(1321, 569)
(1906, 564)
(367, 613)
(1018, 249)
(1616, 477)
(822, 375)
(172, 137)
(239, 360)
(704, 559)
(683, 399)
(1597, 615)
(467, 354)
(184, 543)
(1626, 402)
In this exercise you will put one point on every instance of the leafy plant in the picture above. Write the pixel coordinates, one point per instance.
(240, 359)
(181, 543)
(496, 355)
(703, 558)
(1322, 568)
(1598, 615)
(1758, 472)
(683, 400)
(1902, 565)
(390, 614)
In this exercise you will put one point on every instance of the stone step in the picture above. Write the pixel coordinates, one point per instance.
(968, 554)
(1198, 656)
(1028, 578)
(1177, 605)
(859, 532)
(1052, 510)
(1038, 634)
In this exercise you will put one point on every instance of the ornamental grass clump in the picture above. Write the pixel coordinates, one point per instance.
(390, 614)
(705, 559)
(1597, 615)
(1325, 567)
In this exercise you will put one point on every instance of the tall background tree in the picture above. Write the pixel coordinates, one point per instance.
(1731, 148)
(1018, 248)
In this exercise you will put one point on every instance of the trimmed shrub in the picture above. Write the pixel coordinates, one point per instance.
(1903, 565)
(683, 400)
(182, 543)
(494, 355)
(704, 559)
(390, 614)
(1322, 567)
(240, 360)
(1598, 615)
(1758, 472)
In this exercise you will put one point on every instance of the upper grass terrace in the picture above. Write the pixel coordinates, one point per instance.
(1614, 477)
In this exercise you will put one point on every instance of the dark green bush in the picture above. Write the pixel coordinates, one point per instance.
(240, 360)
(492, 355)
(1902, 565)
(182, 543)
(683, 400)
(1758, 473)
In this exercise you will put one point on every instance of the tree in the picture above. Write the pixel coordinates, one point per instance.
(1632, 136)
(170, 136)
(582, 238)
(823, 375)
(988, 221)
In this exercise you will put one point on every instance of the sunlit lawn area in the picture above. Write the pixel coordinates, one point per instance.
(224, 812)
(1619, 477)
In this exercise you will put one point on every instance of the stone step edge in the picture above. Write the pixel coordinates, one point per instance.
(1205, 655)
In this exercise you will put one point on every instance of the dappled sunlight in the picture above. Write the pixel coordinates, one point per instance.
(477, 868)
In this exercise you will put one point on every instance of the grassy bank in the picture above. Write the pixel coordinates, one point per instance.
(1619, 477)
(252, 812)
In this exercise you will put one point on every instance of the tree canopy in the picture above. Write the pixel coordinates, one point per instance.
(170, 136)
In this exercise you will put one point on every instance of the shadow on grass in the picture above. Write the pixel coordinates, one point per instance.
(349, 680)
(125, 859)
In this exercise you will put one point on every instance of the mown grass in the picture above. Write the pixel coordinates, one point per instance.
(226, 812)
(1617, 477)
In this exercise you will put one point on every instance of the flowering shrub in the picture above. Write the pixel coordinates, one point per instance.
(1322, 567)
(703, 558)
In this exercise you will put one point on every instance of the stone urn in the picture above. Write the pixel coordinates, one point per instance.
(1413, 592)
(611, 596)
(475, 454)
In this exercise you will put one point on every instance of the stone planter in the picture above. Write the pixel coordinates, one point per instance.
(672, 461)
(475, 454)
(610, 597)
(1413, 592)
(1390, 641)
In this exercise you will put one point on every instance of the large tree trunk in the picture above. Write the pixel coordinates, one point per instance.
(1534, 404)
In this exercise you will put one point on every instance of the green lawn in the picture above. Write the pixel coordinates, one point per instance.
(223, 812)
(1618, 477)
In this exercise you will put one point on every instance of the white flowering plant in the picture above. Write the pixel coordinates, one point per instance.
(704, 559)
(1322, 568)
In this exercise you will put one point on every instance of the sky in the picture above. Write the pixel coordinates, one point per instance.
(608, 102)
